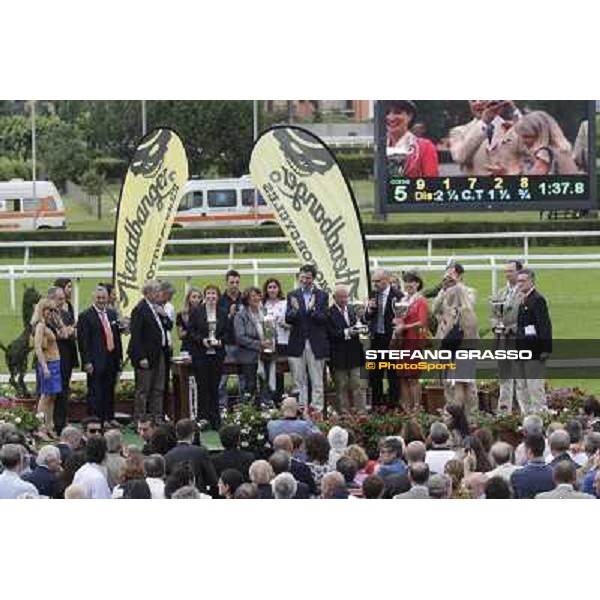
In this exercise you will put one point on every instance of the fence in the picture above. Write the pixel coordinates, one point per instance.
(258, 267)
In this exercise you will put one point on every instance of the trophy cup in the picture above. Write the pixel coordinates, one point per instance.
(269, 332)
(498, 305)
(400, 308)
(212, 330)
(398, 157)
(361, 326)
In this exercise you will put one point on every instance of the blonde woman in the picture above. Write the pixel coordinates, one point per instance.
(192, 300)
(47, 327)
(457, 329)
(550, 151)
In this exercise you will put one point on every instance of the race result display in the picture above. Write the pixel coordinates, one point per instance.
(485, 155)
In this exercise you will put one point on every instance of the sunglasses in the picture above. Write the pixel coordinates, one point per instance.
(94, 430)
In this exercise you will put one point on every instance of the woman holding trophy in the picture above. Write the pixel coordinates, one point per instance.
(206, 328)
(254, 335)
(274, 306)
(411, 333)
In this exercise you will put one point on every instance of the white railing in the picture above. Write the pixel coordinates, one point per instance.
(231, 243)
(277, 266)
(261, 267)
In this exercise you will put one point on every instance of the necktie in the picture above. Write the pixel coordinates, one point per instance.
(490, 132)
(380, 314)
(108, 334)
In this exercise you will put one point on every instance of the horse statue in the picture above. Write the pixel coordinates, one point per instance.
(17, 352)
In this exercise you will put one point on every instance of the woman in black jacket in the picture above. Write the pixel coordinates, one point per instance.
(206, 328)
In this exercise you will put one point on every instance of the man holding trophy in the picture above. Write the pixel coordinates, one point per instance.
(347, 354)
(380, 315)
(505, 308)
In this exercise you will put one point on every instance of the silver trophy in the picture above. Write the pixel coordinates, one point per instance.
(360, 310)
(397, 157)
(212, 332)
(400, 307)
(498, 305)
(269, 332)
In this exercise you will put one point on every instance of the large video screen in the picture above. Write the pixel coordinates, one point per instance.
(435, 155)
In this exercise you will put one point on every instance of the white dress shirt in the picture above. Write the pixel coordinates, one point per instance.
(157, 488)
(93, 479)
(436, 459)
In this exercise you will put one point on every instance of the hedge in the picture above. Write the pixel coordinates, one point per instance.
(273, 231)
(356, 165)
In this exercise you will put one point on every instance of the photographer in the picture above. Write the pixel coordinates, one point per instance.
(291, 422)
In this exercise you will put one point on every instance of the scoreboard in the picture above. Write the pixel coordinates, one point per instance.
(501, 192)
(485, 155)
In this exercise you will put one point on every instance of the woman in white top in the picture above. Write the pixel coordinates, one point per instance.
(274, 304)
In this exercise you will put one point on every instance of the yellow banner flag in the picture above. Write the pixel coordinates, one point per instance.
(149, 199)
(300, 178)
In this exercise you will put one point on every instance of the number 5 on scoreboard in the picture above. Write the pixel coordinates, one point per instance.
(400, 193)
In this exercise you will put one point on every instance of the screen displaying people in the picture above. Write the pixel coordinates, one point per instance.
(484, 153)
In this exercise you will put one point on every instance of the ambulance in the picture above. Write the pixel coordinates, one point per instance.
(25, 207)
(222, 203)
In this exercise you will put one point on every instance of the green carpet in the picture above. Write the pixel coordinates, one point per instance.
(209, 438)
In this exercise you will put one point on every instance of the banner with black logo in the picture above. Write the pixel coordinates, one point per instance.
(149, 199)
(298, 175)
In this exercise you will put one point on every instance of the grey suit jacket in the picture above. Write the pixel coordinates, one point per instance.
(246, 337)
(564, 492)
(418, 492)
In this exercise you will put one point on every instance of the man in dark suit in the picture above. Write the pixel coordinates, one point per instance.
(300, 470)
(147, 350)
(560, 442)
(45, 474)
(534, 333)
(280, 462)
(536, 476)
(380, 315)
(232, 457)
(347, 354)
(99, 341)
(198, 457)
(308, 346)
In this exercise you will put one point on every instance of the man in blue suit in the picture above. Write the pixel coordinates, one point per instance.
(536, 476)
(308, 345)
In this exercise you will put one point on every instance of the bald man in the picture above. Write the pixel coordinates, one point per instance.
(380, 315)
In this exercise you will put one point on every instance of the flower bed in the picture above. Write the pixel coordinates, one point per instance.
(24, 419)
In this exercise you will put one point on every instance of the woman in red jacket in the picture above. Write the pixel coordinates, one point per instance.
(407, 154)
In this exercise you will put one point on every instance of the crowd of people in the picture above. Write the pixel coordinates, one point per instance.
(452, 460)
(262, 334)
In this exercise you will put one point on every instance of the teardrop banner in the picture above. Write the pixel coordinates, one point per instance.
(149, 199)
(298, 175)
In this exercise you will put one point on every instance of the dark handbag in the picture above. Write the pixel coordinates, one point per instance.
(453, 338)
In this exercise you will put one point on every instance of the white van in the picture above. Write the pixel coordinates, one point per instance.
(24, 209)
(222, 203)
